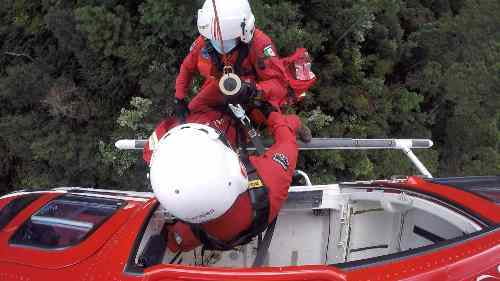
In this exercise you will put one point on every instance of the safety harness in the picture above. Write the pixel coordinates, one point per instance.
(243, 52)
(257, 191)
(259, 199)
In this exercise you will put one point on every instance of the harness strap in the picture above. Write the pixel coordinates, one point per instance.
(263, 246)
(243, 52)
(259, 199)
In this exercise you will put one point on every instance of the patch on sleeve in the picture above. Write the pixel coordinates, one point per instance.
(281, 159)
(269, 51)
(205, 54)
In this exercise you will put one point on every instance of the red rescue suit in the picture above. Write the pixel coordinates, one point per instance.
(217, 120)
(258, 66)
(275, 169)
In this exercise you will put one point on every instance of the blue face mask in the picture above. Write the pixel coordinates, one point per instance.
(229, 45)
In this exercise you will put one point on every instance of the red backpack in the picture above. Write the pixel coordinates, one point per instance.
(297, 71)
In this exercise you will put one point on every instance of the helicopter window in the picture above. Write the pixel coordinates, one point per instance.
(65, 221)
(14, 207)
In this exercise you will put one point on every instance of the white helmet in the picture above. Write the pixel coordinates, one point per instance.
(195, 175)
(236, 20)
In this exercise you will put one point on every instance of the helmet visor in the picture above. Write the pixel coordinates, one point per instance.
(229, 45)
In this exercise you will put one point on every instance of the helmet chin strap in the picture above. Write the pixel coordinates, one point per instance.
(229, 83)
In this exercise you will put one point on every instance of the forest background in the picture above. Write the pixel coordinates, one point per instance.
(76, 75)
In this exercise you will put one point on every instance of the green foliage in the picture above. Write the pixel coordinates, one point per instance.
(26, 14)
(23, 86)
(283, 21)
(171, 22)
(134, 118)
(316, 120)
(132, 123)
(75, 76)
(105, 30)
(120, 161)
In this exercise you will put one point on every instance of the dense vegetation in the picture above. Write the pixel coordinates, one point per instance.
(76, 75)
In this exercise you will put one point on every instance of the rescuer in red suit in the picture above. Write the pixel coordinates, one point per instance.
(219, 199)
(221, 121)
(251, 54)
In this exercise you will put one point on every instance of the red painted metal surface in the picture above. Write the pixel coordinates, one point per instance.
(303, 273)
(102, 256)
(463, 261)
(105, 254)
(474, 204)
(6, 201)
(59, 258)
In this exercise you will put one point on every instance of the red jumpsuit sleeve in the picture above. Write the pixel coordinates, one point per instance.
(163, 127)
(181, 238)
(270, 78)
(277, 166)
(188, 68)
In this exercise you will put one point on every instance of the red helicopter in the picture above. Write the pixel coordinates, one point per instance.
(408, 228)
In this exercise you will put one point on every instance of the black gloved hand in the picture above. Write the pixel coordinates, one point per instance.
(181, 109)
(244, 96)
(265, 107)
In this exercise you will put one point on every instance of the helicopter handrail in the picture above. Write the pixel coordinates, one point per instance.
(405, 145)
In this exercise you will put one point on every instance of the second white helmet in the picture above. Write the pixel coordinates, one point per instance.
(195, 175)
(236, 20)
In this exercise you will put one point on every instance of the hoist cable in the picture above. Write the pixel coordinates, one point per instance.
(218, 35)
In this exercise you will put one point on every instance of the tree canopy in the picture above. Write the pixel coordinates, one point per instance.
(75, 76)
